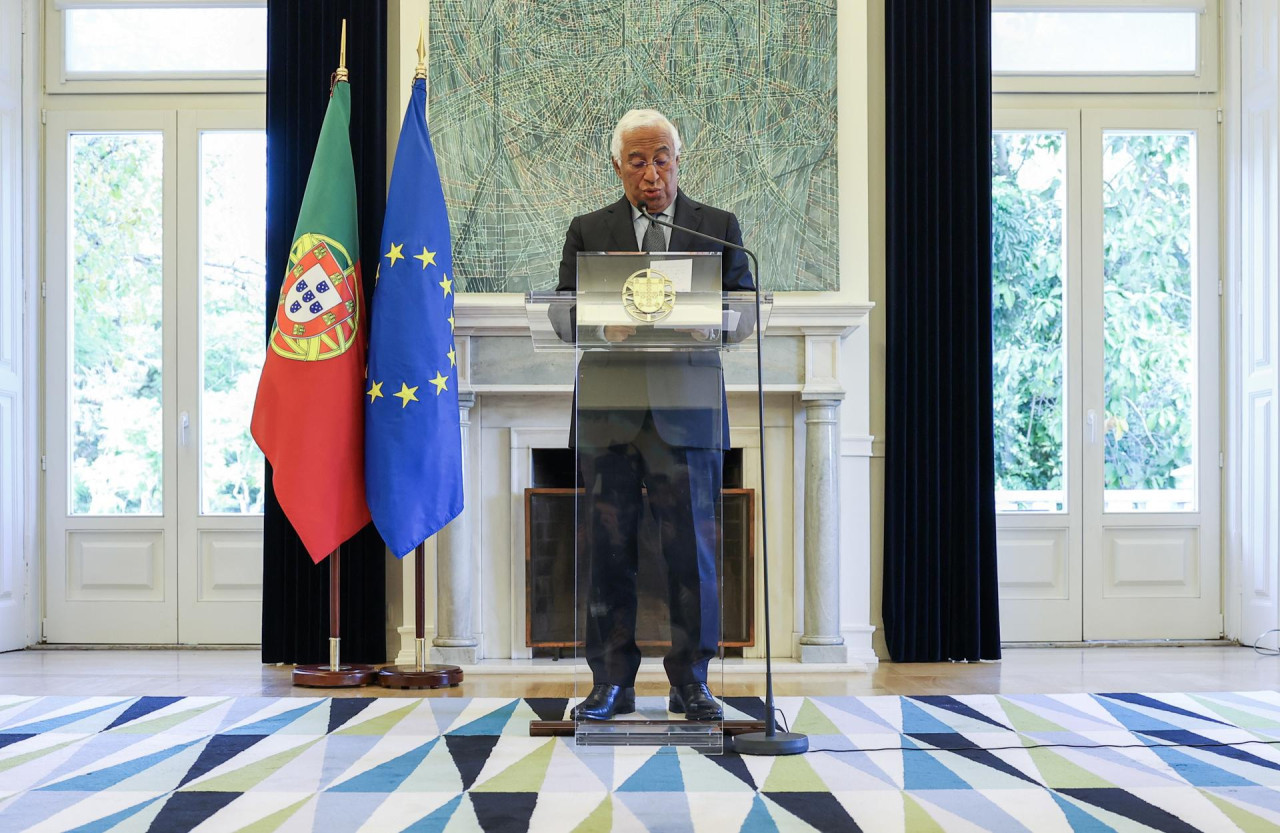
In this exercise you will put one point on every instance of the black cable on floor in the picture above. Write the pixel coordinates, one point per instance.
(1053, 746)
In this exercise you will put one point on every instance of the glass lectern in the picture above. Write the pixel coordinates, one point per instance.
(649, 428)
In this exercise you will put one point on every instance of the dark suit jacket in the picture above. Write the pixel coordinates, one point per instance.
(616, 388)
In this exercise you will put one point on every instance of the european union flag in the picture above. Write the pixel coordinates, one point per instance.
(412, 437)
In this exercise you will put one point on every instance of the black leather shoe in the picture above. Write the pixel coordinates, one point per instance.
(695, 702)
(604, 702)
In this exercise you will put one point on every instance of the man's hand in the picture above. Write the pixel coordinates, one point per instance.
(700, 333)
(618, 332)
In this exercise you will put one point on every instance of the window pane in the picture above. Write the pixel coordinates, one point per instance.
(1148, 320)
(116, 285)
(233, 180)
(1028, 240)
(167, 41)
(1094, 42)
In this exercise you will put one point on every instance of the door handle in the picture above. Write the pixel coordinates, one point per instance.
(1092, 422)
(184, 423)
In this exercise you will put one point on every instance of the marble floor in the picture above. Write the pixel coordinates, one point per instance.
(1022, 670)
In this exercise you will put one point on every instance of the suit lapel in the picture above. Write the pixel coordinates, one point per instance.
(689, 215)
(621, 227)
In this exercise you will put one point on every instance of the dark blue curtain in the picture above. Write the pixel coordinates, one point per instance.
(302, 51)
(940, 592)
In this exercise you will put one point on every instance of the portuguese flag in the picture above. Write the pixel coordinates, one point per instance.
(308, 418)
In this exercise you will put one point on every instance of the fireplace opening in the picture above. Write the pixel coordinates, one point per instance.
(551, 569)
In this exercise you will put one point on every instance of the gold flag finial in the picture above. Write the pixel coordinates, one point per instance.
(421, 70)
(341, 73)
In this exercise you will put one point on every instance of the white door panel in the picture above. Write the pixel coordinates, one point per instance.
(13, 455)
(111, 508)
(1259, 319)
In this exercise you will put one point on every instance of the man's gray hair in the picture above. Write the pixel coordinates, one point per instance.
(641, 118)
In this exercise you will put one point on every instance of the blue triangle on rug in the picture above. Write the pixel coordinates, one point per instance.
(822, 810)
(342, 709)
(922, 771)
(1080, 821)
(469, 753)
(1124, 803)
(489, 724)
(107, 822)
(916, 720)
(661, 773)
(185, 810)
(951, 704)
(1182, 737)
(437, 819)
(758, 820)
(143, 707)
(388, 776)
(6, 739)
(219, 750)
(102, 779)
(501, 812)
(270, 725)
(1153, 703)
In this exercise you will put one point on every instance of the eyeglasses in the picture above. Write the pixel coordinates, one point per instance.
(660, 164)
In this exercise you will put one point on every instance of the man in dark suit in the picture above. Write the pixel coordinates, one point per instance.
(653, 420)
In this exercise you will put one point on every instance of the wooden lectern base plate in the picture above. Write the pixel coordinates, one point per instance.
(408, 676)
(565, 728)
(322, 676)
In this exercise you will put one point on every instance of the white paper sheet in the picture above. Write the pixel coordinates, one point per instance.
(679, 271)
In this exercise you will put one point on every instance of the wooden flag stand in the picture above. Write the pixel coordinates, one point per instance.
(334, 675)
(420, 674)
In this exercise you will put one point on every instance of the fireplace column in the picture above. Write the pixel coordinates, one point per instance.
(454, 642)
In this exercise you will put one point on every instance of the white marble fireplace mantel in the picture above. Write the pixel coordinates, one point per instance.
(514, 400)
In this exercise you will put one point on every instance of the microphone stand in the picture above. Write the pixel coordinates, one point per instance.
(770, 741)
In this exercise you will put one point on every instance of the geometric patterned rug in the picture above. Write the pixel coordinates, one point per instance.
(1036, 762)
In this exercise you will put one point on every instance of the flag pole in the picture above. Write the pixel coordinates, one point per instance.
(335, 674)
(421, 674)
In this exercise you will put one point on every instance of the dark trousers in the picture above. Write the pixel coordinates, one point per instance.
(684, 486)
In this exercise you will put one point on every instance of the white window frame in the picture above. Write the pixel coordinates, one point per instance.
(1204, 80)
(58, 81)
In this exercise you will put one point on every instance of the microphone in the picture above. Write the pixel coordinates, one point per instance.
(770, 741)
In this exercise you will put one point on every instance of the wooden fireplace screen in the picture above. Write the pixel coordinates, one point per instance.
(549, 570)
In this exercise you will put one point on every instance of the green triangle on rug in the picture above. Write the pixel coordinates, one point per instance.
(792, 773)
(524, 776)
(1240, 817)
(600, 820)
(162, 723)
(272, 823)
(1240, 717)
(812, 721)
(1058, 773)
(1023, 720)
(249, 776)
(917, 818)
(380, 724)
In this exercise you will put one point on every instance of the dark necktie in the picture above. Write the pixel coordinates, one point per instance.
(654, 240)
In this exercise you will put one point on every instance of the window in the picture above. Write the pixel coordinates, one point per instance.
(1103, 46)
(167, 46)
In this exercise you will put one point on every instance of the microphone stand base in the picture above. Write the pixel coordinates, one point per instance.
(759, 743)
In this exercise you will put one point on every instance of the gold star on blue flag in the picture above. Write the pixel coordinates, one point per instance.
(413, 444)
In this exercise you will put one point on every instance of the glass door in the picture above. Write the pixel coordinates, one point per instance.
(1105, 338)
(1152, 311)
(1035, 251)
(220, 352)
(154, 324)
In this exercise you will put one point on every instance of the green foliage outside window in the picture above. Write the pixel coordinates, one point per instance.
(1147, 237)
